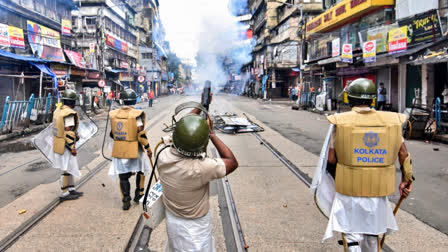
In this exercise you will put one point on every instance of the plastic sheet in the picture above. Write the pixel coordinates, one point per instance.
(44, 140)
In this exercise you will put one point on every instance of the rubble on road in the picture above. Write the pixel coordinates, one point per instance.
(231, 124)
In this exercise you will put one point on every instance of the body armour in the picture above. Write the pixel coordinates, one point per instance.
(367, 145)
(61, 137)
(124, 131)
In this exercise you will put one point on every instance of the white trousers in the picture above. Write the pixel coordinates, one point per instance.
(366, 243)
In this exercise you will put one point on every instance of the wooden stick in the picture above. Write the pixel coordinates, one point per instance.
(396, 210)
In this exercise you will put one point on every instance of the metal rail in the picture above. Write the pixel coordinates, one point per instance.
(9, 240)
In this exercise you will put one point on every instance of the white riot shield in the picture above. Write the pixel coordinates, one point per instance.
(86, 130)
(323, 185)
(155, 209)
(108, 142)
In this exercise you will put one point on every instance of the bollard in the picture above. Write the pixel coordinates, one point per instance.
(5, 112)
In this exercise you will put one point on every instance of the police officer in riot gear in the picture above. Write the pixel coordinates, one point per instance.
(364, 147)
(130, 138)
(185, 172)
(65, 126)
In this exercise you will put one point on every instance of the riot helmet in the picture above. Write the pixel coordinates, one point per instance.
(191, 132)
(69, 97)
(128, 96)
(361, 91)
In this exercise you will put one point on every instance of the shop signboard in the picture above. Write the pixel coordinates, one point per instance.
(398, 40)
(66, 27)
(116, 43)
(77, 71)
(124, 64)
(347, 53)
(335, 47)
(379, 34)
(93, 75)
(59, 69)
(45, 42)
(91, 47)
(126, 77)
(75, 58)
(16, 38)
(4, 35)
(369, 51)
(422, 27)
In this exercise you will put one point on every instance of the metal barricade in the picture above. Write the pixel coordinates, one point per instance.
(16, 113)
(21, 113)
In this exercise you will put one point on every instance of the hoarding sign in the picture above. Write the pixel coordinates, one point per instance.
(369, 51)
(66, 27)
(45, 42)
(4, 35)
(422, 27)
(379, 34)
(16, 38)
(398, 40)
(347, 53)
(335, 47)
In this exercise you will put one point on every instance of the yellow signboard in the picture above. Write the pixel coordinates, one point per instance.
(343, 12)
(39, 33)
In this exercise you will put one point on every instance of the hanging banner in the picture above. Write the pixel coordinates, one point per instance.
(398, 40)
(126, 77)
(44, 42)
(369, 51)
(16, 38)
(42, 35)
(4, 35)
(335, 47)
(66, 27)
(347, 53)
(379, 34)
(422, 27)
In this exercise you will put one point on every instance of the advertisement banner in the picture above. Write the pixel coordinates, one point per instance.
(41, 35)
(335, 47)
(422, 27)
(91, 47)
(16, 38)
(398, 40)
(75, 58)
(66, 27)
(116, 43)
(347, 53)
(4, 35)
(379, 34)
(369, 51)
(59, 69)
(45, 42)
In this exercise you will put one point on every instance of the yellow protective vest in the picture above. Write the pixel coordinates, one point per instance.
(366, 145)
(124, 130)
(59, 134)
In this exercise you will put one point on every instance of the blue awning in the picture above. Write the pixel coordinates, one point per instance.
(44, 69)
(20, 57)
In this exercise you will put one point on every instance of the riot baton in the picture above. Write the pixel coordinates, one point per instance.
(152, 165)
(396, 210)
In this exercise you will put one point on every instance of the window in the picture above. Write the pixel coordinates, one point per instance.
(147, 55)
(91, 21)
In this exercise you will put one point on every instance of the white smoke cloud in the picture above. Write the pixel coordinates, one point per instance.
(219, 37)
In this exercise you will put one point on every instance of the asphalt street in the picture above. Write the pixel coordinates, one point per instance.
(23, 168)
(428, 202)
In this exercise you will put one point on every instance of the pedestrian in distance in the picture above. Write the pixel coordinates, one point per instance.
(185, 172)
(150, 97)
(364, 146)
(65, 127)
(381, 101)
(130, 138)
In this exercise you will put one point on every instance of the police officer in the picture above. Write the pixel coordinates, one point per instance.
(185, 173)
(130, 138)
(364, 147)
(65, 126)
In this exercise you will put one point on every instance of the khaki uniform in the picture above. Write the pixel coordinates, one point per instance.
(366, 143)
(127, 151)
(63, 142)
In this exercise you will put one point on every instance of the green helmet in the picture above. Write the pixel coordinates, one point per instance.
(128, 95)
(190, 136)
(362, 88)
(69, 94)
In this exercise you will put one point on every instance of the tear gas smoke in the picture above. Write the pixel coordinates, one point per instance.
(220, 42)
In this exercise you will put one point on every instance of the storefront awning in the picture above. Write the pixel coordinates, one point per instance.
(20, 57)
